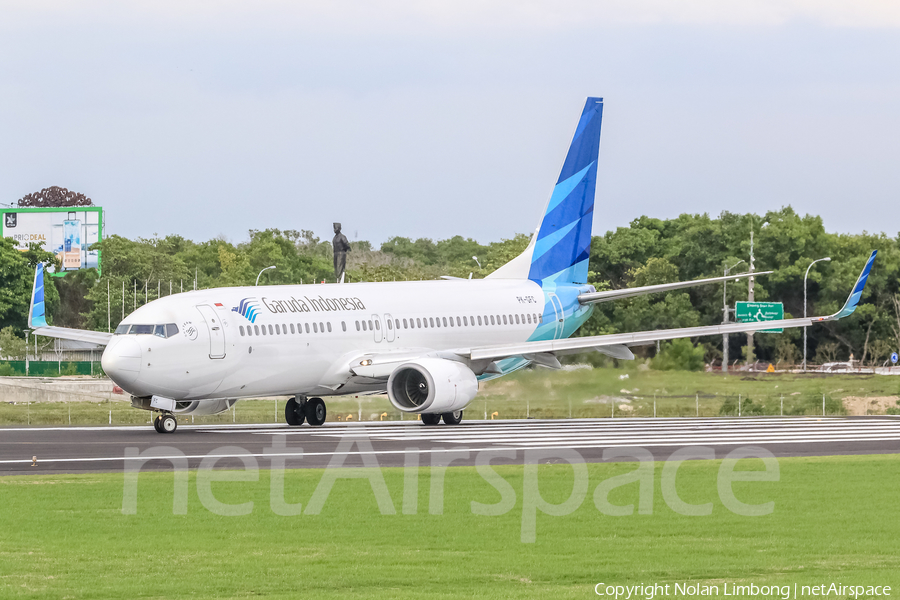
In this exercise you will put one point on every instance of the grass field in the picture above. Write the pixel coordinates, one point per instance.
(541, 393)
(835, 520)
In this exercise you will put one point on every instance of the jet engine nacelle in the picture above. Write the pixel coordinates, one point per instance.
(431, 385)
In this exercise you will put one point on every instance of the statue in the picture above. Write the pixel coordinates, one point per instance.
(341, 247)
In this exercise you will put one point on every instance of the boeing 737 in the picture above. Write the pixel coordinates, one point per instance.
(425, 343)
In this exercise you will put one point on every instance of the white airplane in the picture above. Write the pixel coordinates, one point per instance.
(425, 343)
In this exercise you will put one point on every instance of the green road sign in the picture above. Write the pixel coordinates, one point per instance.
(750, 312)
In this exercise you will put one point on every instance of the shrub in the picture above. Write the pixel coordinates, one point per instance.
(679, 355)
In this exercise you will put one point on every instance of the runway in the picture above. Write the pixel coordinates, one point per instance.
(387, 444)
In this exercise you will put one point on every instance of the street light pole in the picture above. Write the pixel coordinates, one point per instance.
(827, 258)
(261, 272)
(725, 318)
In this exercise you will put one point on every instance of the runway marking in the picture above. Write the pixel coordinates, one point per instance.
(541, 435)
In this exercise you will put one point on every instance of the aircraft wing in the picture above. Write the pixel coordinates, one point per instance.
(610, 295)
(617, 344)
(37, 319)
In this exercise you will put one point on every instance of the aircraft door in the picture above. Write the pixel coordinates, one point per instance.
(379, 334)
(389, 332)
(216, 333)
(560, 315)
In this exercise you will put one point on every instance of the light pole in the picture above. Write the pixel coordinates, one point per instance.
(261, 272)
(827, 258)
(475, 258)
(725, 318)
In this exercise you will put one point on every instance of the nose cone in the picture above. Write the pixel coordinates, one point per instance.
(122, 360)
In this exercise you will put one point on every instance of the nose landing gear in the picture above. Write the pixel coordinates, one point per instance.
(165, 423)
(301, 409)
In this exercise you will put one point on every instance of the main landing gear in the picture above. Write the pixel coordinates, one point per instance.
(301, 409)
(450, 418)
(165, 423)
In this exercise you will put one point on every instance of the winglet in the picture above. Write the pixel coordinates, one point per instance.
(36, 316)
(855, 295)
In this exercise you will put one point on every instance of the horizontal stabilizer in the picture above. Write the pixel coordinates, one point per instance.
(610, 295)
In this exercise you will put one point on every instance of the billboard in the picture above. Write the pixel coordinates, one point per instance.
(67, 232)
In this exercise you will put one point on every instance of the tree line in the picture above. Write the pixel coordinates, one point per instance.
(648, 251)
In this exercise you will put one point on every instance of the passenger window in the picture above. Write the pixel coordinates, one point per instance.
(479, 319)
(357, 325)
(307, 328)
(299, 328)
(418, 322)
(438, 322)
(242, 330)
(321, 326)
(343, 325)
(390, 324)
(458, 322)
(292, 328)
(540, 318)
(264, 329)
(404, 324)
(529, 319)
(277, 329)
(364, 326)
(271, 332)
(315, 328)
(378, 325)
(396, 323)
(329, 326)
(256, 329)
(492, 319)
(444, 319)
(371, 326)
(431, 321)
(465, 321)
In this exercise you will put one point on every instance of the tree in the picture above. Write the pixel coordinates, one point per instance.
(11, 345)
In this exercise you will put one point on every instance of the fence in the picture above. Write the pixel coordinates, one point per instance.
(50, 368)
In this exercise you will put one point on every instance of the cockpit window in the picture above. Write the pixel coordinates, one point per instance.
(164, 331)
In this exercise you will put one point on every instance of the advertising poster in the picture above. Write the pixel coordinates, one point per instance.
(66, 232)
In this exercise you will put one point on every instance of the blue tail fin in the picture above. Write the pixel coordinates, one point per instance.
(36, 316)
(563, 241)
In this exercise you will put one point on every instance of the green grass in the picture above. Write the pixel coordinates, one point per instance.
(835, 519)
(540, 393)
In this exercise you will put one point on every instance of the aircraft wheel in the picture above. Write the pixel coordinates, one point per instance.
(156, 424)
(431, 419)
(293, 413)
(167, 424)
(315, 411)
(452, 418)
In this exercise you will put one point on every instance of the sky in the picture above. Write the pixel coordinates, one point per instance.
(433, 119)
